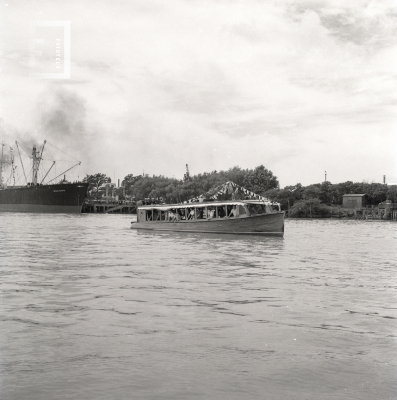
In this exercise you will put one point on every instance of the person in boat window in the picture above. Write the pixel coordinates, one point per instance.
(221, 212)
(211, 212)
(183, 213)
(171, 215)
(177, 215)
(199, 213)
(191, 214)
(232, 212)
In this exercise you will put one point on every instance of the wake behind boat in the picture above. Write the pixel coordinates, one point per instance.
(39, 197)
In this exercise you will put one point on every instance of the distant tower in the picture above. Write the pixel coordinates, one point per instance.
(384, 179)
(186, 177)
(325, 176)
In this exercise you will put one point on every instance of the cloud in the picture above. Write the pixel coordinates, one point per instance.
(214, 84)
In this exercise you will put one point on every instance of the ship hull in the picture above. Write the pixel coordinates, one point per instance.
(60, 198)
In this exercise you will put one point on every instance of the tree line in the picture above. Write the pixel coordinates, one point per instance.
(171, 190)
(315, 198)
(324, 198)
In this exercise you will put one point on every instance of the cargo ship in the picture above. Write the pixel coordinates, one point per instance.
(39, 197)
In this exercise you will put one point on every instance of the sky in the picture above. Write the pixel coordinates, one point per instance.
(301, 87)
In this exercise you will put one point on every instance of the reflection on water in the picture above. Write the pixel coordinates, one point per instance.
(92, 309)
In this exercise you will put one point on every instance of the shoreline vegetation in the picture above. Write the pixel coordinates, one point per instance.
(319, 200)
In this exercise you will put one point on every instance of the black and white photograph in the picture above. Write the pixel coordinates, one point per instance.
(198, 200)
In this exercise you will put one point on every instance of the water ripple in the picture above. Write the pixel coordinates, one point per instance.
(92, 309)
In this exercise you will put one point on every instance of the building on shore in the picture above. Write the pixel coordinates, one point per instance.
(355, 201)
(358, 206)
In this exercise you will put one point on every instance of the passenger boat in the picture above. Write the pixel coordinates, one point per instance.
(243, 217)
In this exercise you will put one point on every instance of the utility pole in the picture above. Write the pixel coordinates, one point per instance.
(325, 176)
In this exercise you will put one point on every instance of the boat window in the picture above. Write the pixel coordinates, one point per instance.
(241, 210)
(149, 215)
(256, 208)
(211, 212)
(231, 211)
(173, 215)
(182, 213)
(155, 215)
(190, 213)
(221, 212)
(200, 212)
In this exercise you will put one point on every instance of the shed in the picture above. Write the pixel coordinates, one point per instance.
(355, 200)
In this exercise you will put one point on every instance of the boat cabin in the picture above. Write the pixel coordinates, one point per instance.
(203, 211)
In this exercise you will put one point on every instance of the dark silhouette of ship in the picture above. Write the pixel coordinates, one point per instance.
(36, 197)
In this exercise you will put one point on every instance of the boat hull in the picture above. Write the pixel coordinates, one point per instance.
(264, 224)
(60, 198)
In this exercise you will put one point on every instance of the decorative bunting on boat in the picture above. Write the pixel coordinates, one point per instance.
(232, 189)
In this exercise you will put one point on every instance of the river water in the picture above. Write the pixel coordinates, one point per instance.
(90, 309)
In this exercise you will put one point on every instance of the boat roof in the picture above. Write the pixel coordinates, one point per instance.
(166, 207)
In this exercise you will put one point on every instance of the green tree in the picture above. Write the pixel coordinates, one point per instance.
(392, 193)
(129, 181)
(311, 197)
(174, 191)
(260, 180)
(376, 192)
(311, 206)
(96, 181)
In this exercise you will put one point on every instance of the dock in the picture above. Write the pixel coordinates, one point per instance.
(109, 207)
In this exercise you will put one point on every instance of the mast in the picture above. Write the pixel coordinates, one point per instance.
(37, 157)
(12, 164)
(36, 164)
